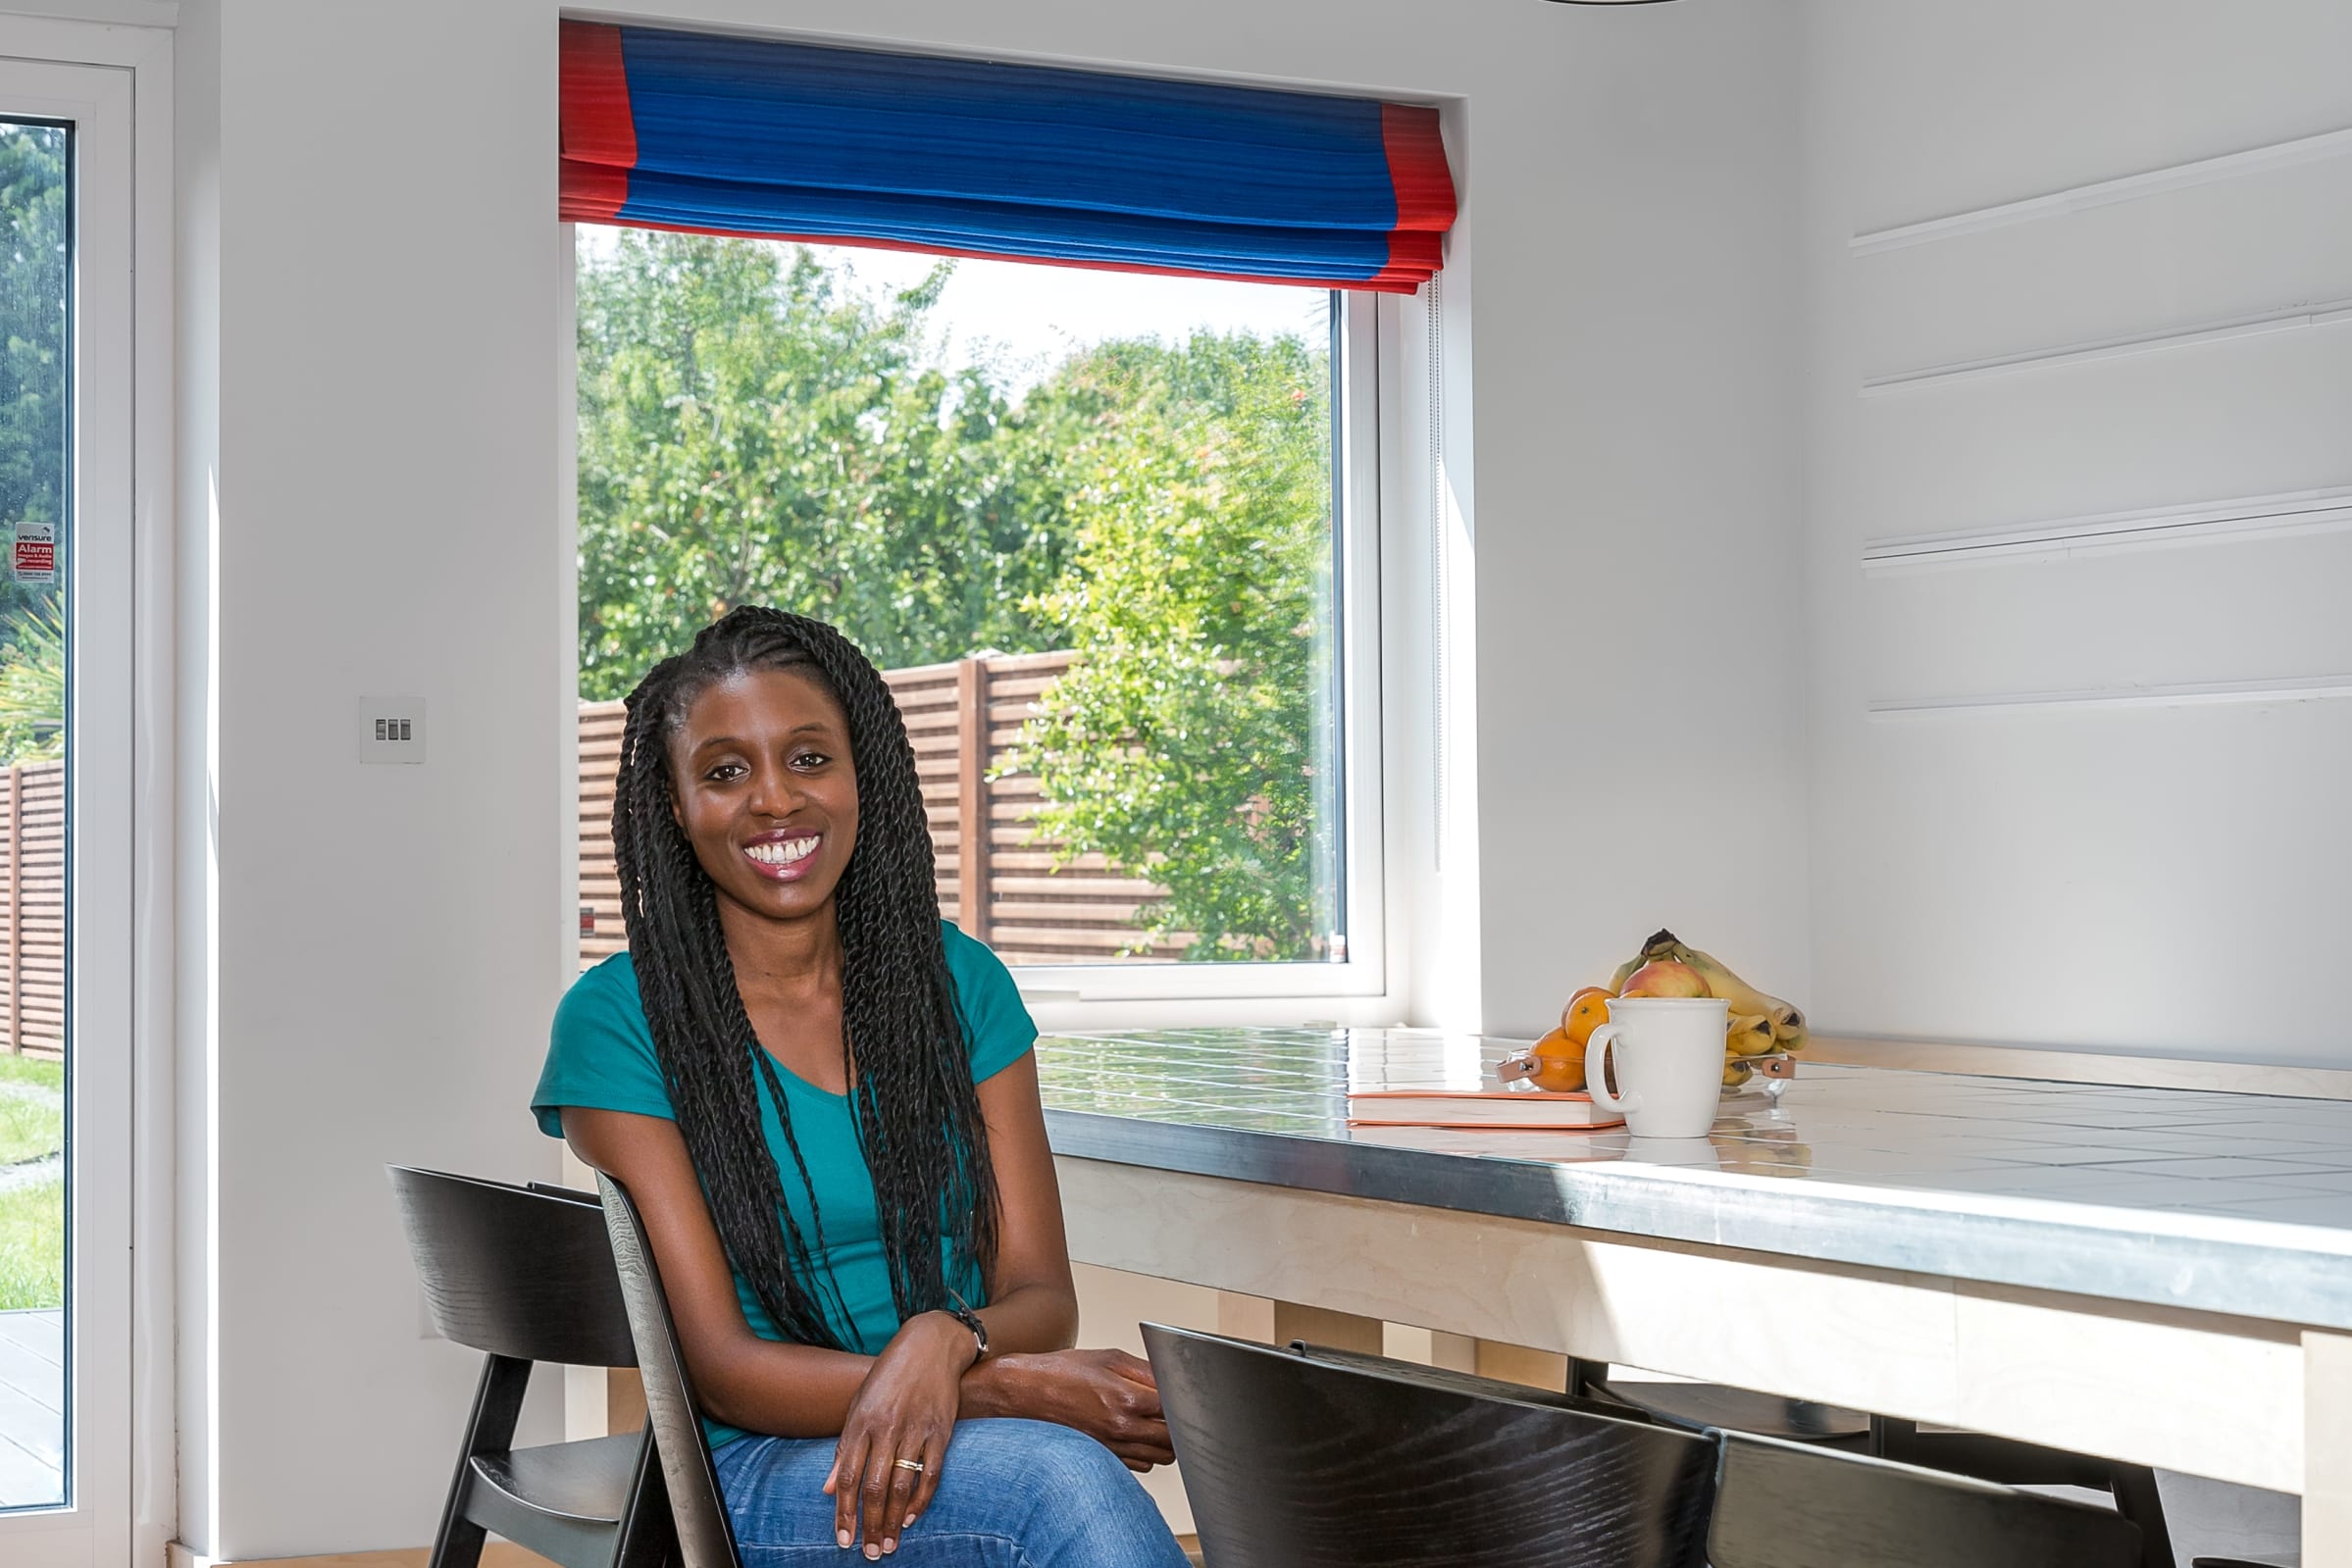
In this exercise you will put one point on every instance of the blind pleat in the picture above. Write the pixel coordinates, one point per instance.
(729, 135)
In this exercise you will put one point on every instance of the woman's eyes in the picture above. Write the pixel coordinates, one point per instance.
(730, 772)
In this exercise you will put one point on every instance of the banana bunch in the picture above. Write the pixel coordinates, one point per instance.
(1761, 1024)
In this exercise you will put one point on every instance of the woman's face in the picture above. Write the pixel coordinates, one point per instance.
(766, 792)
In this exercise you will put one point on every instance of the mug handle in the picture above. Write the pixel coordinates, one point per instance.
(1596, 1071)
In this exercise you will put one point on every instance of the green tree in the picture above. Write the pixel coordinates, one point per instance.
(752, 430)
(32, 688)
(33, 323)
(1193, 742)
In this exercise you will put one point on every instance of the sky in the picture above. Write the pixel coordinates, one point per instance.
(1030, 315)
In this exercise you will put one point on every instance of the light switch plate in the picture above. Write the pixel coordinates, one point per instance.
(391, 729)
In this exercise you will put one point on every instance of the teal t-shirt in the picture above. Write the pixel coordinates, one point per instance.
(601, 1057)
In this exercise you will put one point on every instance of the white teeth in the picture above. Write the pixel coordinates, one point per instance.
(784, 853)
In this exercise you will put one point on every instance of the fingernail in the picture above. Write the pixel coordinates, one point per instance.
(889, 1545)
(872, 1551)
(842, 1535)
(910, 1523)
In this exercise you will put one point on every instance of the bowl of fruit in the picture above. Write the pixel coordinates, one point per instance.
(1760, 1039)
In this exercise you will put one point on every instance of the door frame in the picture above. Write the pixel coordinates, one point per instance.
(115, 83)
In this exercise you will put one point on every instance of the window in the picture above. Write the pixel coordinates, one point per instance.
(1108, 534)
(67, 786)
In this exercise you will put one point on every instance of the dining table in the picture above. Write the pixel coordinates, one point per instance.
(2155, 1274)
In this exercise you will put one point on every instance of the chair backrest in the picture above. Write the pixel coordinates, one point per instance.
(514, 1272)
(1790, 1505)
(1293, 1460)
(1471, 1383)
(569, 1193)
(705, 1540)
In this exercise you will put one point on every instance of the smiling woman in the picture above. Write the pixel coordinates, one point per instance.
(823, 1099)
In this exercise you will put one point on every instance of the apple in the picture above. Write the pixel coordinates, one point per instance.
(1665, 978)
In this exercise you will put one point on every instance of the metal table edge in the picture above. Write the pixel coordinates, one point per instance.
(2096, 1252)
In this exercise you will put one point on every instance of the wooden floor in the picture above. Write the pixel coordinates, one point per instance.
(32, 1403)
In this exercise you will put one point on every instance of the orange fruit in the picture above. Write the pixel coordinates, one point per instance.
(1558, 1062)
(1586, 1011)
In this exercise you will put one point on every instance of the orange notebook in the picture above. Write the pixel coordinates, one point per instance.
(1514, 1109)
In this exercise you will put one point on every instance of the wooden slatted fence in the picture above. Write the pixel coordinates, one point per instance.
(999, 883)
(33, 909)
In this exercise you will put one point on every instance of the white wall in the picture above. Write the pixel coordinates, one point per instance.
(2152, 877)
(386, 943)
(1640, 743)
(376, 203)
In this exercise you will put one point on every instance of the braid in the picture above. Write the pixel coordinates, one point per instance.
(909, 1069)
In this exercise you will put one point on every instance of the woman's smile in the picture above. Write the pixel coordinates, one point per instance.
(786, 856)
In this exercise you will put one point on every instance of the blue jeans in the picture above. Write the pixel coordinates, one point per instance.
(1012, 1495)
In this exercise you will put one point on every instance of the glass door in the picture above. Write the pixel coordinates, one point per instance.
(64, 819)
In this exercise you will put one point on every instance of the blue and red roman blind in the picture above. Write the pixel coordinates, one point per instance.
(726, 136)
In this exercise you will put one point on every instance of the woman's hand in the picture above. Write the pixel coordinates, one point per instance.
(905, 1409)
(1108, 1394)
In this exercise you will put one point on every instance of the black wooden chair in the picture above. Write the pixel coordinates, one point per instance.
(1975, 1454)
(1307, 1458)
(1794, 1506)
(673, 1418)
(524, 1275)
(1703, 1405)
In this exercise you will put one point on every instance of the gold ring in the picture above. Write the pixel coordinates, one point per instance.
(915, 1465)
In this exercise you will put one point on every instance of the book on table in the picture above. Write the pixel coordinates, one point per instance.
(1502, 1109)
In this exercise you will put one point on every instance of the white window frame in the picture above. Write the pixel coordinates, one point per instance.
(1360, 989)
(113, 84)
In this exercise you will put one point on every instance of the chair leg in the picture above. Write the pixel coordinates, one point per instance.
(648, 1535)
(490, 1429)
(2011, 1463)
(2137, 1499)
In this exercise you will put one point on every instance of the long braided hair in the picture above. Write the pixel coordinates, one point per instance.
(909, 1073)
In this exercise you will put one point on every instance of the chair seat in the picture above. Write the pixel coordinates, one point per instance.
(1701, 1405)
(587, 1482)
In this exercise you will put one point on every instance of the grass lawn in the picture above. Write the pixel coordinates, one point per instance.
(31, 1125)
(32, 1069)
(33, 1247)
(32, 1219)
(30, 1128)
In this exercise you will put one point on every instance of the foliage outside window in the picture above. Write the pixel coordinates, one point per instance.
(32, 674)
(754, 427)
(32, 431)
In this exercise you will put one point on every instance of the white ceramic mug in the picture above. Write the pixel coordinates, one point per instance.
(1670, 1060)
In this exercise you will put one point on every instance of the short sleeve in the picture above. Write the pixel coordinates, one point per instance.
(996, 1025)
(600, 1052)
